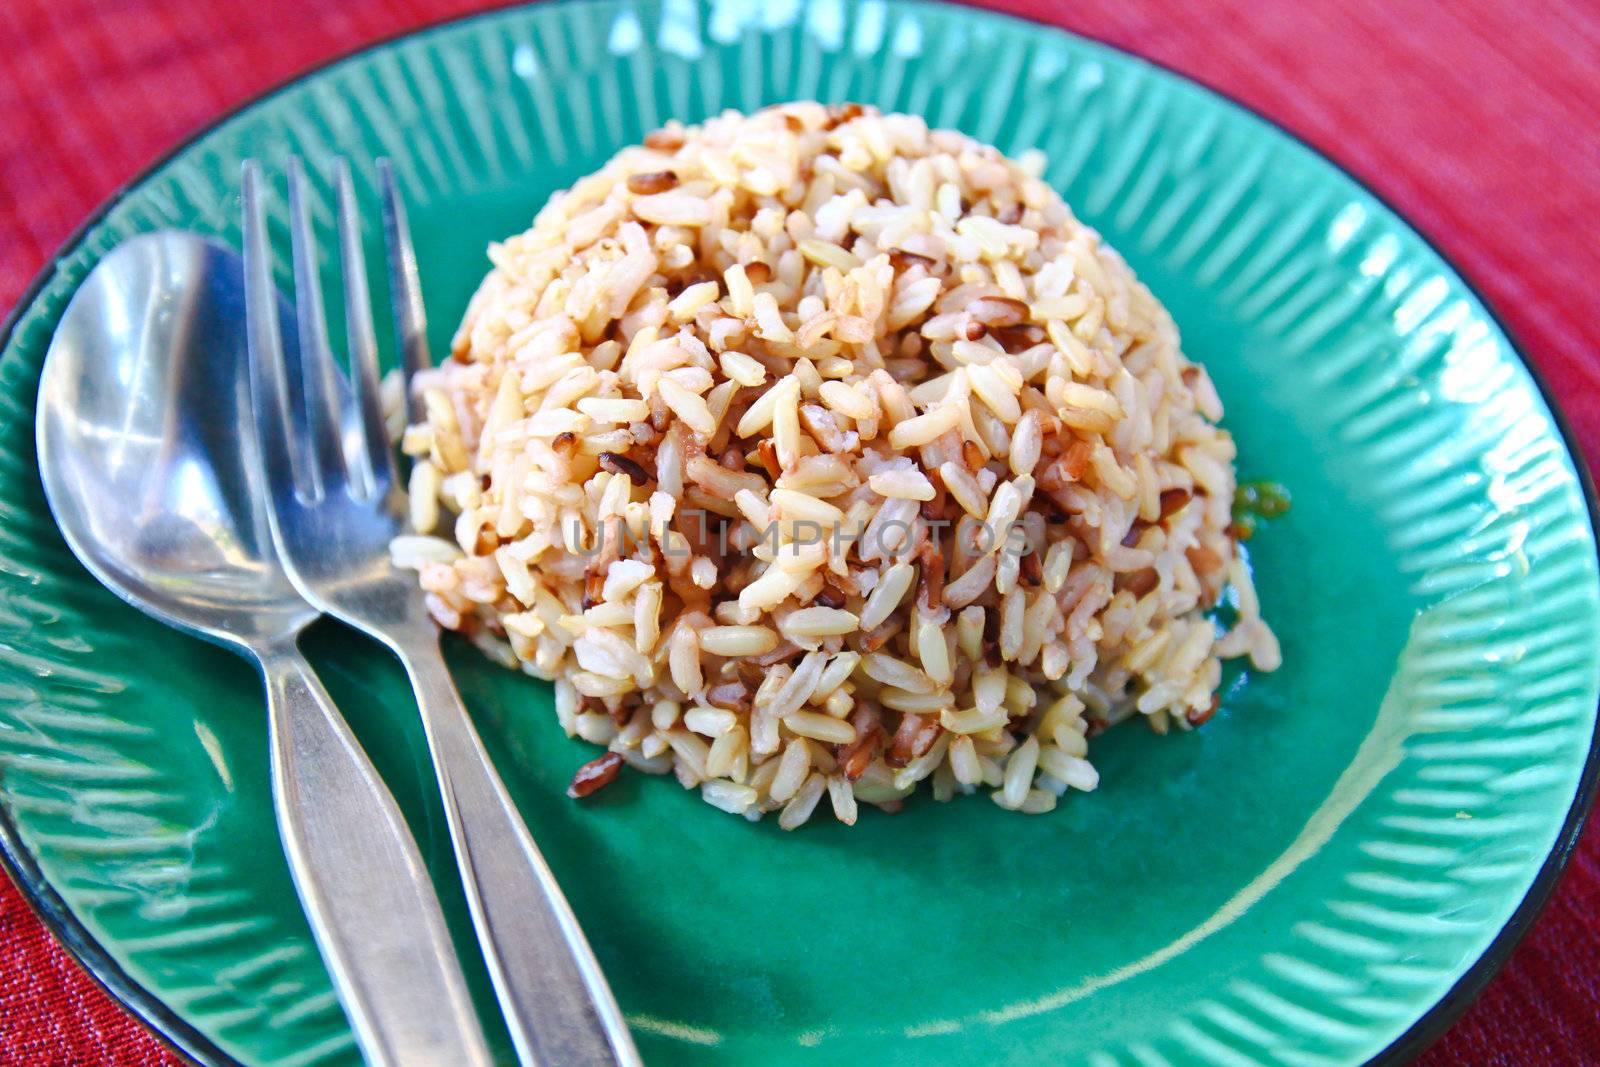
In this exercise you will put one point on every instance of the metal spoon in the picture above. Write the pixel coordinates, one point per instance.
(146, 451)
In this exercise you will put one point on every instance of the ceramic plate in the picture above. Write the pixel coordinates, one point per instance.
(1323, 874)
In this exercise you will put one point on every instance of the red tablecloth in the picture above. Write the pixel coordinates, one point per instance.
(1480, 119)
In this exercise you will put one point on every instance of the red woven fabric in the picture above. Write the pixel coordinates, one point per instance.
(1480, 120)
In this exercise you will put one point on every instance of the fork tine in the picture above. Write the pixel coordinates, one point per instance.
(284, 464)
(405, 288)
(318, 375)
(373, 465)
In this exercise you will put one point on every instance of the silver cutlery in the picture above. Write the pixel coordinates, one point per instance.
(146, 451)
(334, 508)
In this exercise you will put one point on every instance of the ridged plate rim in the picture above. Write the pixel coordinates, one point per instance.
(190, 1043)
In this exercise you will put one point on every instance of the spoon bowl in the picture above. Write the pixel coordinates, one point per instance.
(144, 442)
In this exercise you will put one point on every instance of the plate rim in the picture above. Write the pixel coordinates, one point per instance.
(191, 1044)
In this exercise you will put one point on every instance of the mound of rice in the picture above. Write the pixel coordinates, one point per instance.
(818, 452)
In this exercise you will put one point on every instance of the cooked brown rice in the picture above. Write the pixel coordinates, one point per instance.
(709, 432)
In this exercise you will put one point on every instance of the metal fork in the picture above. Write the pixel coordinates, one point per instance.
(332, 479)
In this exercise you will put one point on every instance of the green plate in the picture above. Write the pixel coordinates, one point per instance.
(1323, 874)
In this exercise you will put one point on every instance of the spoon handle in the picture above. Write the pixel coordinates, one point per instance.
(554, 997)
(362, 882)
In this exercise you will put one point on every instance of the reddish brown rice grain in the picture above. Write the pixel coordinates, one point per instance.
(596, 774)
(617, 463)
(1173, 500)
(656, 181)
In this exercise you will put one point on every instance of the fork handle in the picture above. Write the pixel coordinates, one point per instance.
(555, 999)
(362, 883)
